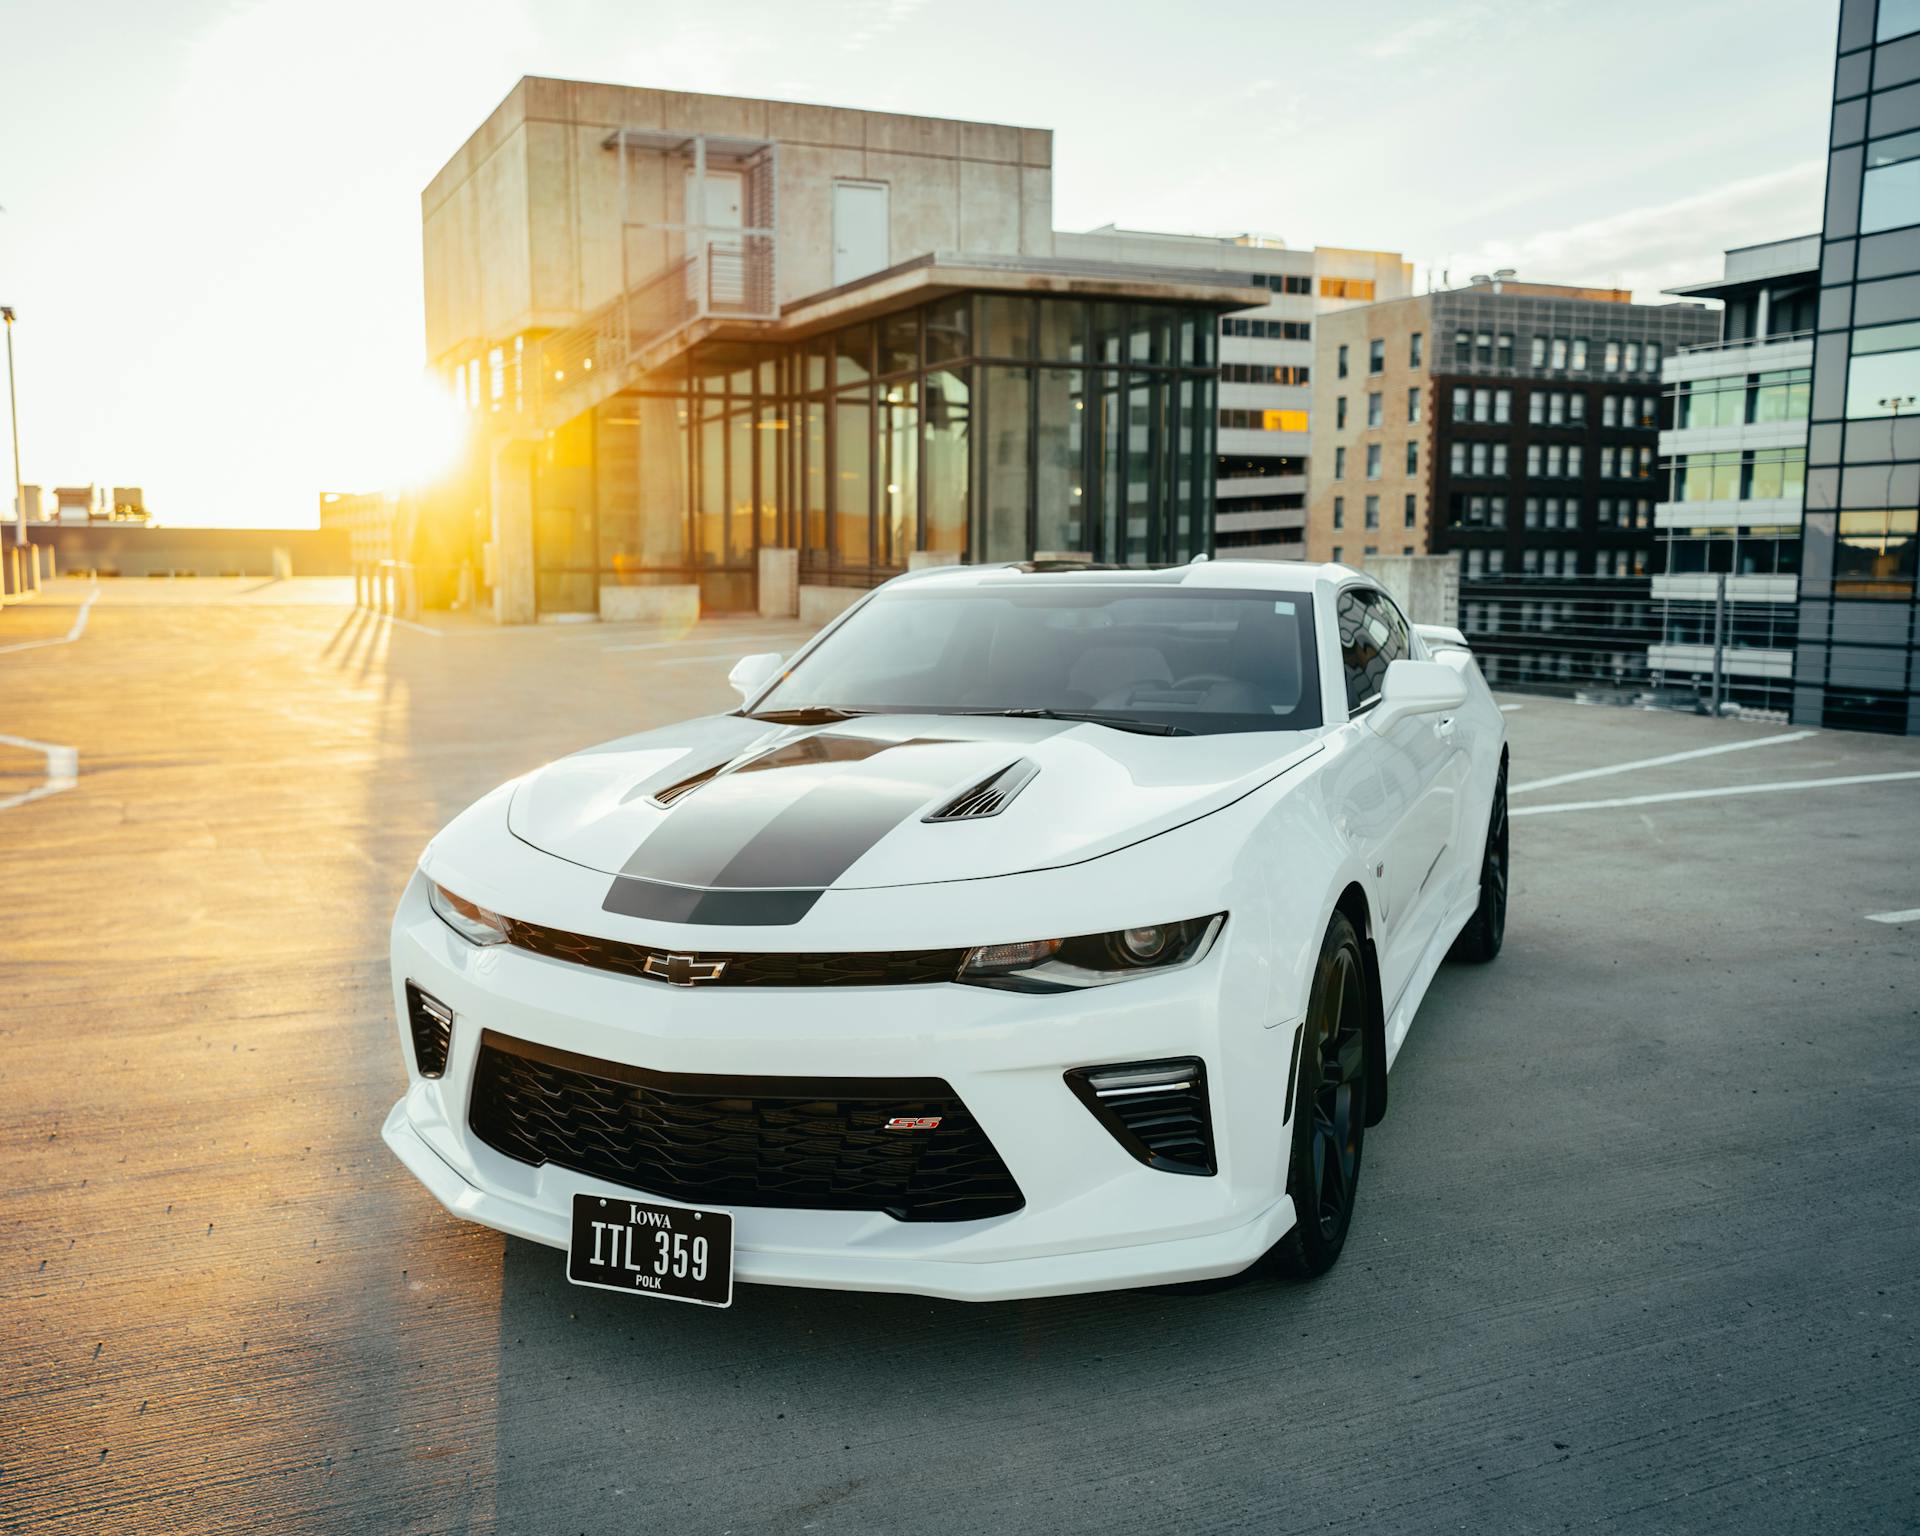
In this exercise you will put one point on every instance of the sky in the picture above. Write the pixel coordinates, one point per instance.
(212, 217)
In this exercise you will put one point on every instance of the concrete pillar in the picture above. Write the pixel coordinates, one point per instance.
(779, 583)
(512, 476)
(1427, 587)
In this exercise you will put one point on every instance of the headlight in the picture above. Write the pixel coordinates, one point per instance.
(1093, 959)
(473, 923)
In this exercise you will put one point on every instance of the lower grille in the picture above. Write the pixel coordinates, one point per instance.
(430, 1022)
(787, 1142)
(1157, 1110)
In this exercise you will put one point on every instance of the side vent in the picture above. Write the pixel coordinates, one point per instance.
(1157, 1110)
(431, 1023)
(990, 796)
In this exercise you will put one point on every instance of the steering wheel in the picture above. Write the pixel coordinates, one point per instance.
(1199, 679)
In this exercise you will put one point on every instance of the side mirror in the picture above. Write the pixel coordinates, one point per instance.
(1416, 688)
(752, 673)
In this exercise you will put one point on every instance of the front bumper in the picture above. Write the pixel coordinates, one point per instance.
(1094, 1217)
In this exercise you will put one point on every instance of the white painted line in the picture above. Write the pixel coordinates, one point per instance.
(79, 628)
(1657, 762)
(1911, 915)
(1714, 794)
(1507, 709)
(668, 645)
(63, 769)
(687, 661)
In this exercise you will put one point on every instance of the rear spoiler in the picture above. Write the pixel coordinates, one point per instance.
(1442, 637)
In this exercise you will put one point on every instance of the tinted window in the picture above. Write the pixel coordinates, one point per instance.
(1373, 636)
(1202, 659)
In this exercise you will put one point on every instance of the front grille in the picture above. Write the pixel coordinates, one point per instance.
(430, 1022)
(891, 968)
(789, 1142)
(1157, 1110)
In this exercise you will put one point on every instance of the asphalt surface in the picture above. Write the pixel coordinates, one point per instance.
(1638, 1245)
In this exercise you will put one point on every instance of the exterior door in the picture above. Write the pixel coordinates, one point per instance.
(721, 279)
(1418, 772)
(859, 229)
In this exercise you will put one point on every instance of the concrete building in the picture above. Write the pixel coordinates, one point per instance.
(700, 336)
(131, 549)
(1855, 658)
(1514, 424)
(1733, 452)
(1266, 365)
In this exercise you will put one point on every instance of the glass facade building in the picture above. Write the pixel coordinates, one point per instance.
(1856, 665)
(974, 426)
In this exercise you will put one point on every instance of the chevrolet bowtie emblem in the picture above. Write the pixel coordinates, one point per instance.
(683, 970)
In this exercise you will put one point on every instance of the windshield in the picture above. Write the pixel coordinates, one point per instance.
(1177, 659)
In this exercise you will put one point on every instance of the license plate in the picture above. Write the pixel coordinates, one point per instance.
(643, 1249)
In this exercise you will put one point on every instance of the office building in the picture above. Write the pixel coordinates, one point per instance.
(696, 333)
(1854, 662)
(1266, 365)
(1733, 451)
(1514, 424)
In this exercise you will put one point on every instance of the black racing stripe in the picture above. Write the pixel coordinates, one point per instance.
(758, 826)
(631, 897)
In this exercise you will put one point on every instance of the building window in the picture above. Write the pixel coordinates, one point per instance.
(1883, 378)
(1410, 512)
(1632, 357)
(1537, 408)
(1579, 354)
(1875, 554)
(1537, 354)
(1340, 463)
(1360, 288)
(1890, 191)
(1457, 458)
(1263, 421)
(1340, 366)
(1338, 552)
(1413, 350)
(1340, 413)
(1483, 348)
(1482, 404)
(1372, 511)
(1503, 349)
(1264, 373)
(1653, 357)
(1376, 409)
(1609, 417)
(1559, 357)
(1503, 405)
(1499, 459)
(1533, 459)
(1413, 458)
(1339, 514)
(1573, 461)
(1463, 348)
(1373, 461)
(1376, 357)
(1413, 404)
(1611, 358)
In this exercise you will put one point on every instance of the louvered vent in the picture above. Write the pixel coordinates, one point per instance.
(990, 796)
(686, 786)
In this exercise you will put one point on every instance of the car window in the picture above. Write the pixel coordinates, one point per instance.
(1199, 659)
(1373, 636)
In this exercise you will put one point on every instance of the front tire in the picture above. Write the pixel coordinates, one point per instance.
(1329, 1109)
(1486, 930)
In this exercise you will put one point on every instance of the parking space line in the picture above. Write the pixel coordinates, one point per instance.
(667, 645)
(1910, 915)
(1658, 762)
(1714, 794)
(79, 626)
(63, 768)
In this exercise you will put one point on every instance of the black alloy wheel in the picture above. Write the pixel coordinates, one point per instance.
(1330, 1108)
(1486, 930)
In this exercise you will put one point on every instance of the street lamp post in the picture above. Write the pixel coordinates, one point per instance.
(13, 415)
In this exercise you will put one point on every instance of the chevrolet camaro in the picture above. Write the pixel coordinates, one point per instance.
(1033, 929)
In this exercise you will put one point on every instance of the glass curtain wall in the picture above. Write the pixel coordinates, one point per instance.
(985, 426)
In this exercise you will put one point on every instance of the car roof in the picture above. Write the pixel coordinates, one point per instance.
(1262, 575)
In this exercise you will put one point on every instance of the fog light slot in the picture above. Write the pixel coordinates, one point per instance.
(1157, 1110)
(431, 1022)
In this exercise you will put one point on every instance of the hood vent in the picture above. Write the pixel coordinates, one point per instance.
(684, 787)
(990, 796)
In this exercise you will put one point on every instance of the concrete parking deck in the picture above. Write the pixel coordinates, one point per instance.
(1638, 1245)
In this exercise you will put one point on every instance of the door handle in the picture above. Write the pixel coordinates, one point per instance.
(1444, 729)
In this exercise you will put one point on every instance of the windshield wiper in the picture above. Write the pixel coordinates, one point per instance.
(1090, 717)
(807, 714)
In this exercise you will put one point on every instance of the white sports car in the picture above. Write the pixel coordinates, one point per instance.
(1034, 929)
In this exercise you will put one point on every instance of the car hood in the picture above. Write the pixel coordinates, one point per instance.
(730, 803)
